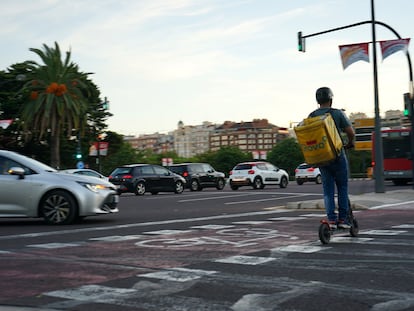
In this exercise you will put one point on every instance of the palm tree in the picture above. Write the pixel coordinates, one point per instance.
(57, 98)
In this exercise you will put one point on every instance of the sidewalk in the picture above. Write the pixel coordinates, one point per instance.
(398, 198)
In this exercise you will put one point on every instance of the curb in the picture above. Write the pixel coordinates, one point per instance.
(319, 205)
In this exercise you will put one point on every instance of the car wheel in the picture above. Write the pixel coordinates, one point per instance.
(258, 183)
(194, 185)
(318, 179)
(179, 187)
(233, 187)
(220, 184)
(140, 188)
(58, 208)
(299, 181)
(283, 182)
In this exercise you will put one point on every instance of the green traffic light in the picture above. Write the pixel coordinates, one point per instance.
(301, 42)
(78, 156)
(408, 105)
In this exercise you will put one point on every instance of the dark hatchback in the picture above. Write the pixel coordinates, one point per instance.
(142, 178)
(200, 175)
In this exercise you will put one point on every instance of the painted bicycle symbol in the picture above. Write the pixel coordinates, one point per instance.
(235, 237)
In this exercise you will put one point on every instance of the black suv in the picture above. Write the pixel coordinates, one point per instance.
(199, 175)
(141, 178)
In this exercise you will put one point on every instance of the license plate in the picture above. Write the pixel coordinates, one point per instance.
(239, 179)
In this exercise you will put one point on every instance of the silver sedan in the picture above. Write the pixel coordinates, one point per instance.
(29, 188)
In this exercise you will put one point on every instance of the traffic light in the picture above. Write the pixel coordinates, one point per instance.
(408, 105)
(105, 104)
(301, 42)
(78, 154)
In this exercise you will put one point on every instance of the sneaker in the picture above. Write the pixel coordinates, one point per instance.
(332, 224)
(343, 225)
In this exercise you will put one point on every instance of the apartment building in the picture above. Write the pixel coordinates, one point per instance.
(257, 136)
(190, 140)
(158, 143)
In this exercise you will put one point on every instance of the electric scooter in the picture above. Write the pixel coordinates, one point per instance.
(326, 231)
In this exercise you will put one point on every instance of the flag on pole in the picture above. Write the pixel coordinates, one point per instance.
(352, 53)
(390, 47)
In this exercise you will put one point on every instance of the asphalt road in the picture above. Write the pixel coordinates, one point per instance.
(211, 250)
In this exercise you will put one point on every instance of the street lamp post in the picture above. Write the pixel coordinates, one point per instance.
(379, 159)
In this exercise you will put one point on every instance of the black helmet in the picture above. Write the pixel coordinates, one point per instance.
(323, 94)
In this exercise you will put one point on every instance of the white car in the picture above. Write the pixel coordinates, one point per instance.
(305, 172)
(258, 175)
(84, 172)
(29, 188)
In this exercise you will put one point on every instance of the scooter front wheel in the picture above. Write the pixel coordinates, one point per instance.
(324, 233)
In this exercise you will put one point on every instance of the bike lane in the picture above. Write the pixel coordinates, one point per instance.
(106, 269)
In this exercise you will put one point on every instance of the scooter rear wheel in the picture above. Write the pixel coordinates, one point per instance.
(324, 233)
(354, 228)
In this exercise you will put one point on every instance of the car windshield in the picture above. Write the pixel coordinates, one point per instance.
(177, 169)
(34, 164)
(121, 171)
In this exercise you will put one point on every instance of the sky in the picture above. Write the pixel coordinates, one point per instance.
(159, 62)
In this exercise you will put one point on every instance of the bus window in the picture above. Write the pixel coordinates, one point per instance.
(396, 147)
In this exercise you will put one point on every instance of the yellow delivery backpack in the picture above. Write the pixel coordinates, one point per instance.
(319, 139)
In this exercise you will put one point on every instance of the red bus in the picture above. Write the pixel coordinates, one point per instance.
(397, 155)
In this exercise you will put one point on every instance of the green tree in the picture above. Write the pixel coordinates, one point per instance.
(57, 103)
(11, 81)
(224, 159)
(287, 155)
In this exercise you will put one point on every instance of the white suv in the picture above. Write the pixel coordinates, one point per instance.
(305, 172)
(258, 175)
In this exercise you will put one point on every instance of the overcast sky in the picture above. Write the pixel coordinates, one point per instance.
(164, 61)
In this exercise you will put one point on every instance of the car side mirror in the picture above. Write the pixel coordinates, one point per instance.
(17, 171)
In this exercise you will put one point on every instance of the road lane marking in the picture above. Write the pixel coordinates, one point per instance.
(383, 232)
(287, 218)
(403, 226)
(213, 227)
(247, 222)
(55, 245)
(167, 232)
(117, 238)
(245, 260)
(142, 224)
(391, 205)
(178, 274)
(94, 293)
(299, 249)
(262, 200)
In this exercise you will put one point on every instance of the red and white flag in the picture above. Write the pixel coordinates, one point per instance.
(352, 53)
(389, 47)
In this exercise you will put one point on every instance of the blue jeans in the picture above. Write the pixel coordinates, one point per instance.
(336, 173)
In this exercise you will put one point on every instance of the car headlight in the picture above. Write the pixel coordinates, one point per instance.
(93, 187)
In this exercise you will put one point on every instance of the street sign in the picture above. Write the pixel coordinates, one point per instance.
(102, 146)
